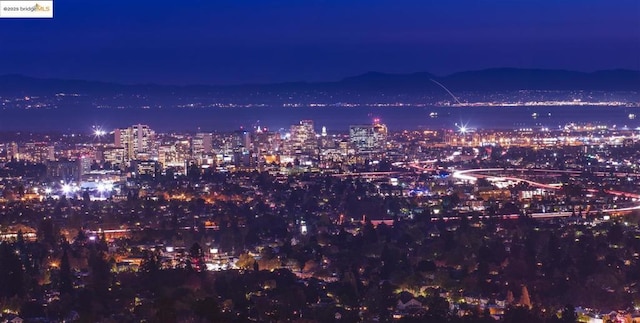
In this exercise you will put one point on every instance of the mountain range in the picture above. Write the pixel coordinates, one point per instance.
(488, 80)
(499, 84)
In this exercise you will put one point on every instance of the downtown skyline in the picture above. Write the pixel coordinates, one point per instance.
(310, 161)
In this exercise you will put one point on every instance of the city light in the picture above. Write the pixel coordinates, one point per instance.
(98, 131)
(434, 191)
(148, 179)
(104, 186)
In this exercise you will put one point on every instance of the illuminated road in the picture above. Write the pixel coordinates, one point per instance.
(472, 175)
(366, 174)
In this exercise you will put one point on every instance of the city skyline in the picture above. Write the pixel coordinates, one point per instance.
(312, 161)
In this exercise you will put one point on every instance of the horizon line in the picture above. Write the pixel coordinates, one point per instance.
(344, 78)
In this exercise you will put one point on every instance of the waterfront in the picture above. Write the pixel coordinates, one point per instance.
(334, 118)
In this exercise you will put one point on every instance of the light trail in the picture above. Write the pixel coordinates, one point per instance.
(366, 174)
(445, 88)
(470, 175)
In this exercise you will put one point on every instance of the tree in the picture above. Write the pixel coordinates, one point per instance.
(150, 263)
(86, 197)
(569, 314)
(194, 172)
(520, 314)
(208, 309)
(66, 278)
(166, 311)
(525, 300)
(48, 232)
(11, 272)
(245, 261)
(510, 299)
(100, 274)
(438, 309)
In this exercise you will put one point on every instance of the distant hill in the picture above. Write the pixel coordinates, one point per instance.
(502, 79)
(488, 80)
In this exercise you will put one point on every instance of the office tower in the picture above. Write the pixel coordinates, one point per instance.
(51, 153)
(65, 170)
(266, 142)
(369, 138)
(174, 154)
(36, 152)
(146, 168)
(266, 146)
(202, 144)
(380, 133)
(361, 137)
(84, 164)
(241, 139)
(138, 142)
(12, 151)
(303, 139)
(114, 156)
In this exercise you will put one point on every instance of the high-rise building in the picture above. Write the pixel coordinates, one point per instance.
(84, 163)
(369, 138)
(266, 146)
(175, 154)
(361, 137)
(303, 139)
(64, 170)
(266, 142)
(138, 142)
(146, 168)
(51, 153)
(380, 133)
(202, 144)
(114, 156)
(37, 152)
(12, 151)
(241, 148)
(241, 139)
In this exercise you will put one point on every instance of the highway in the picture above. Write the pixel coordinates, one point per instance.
(474, 174)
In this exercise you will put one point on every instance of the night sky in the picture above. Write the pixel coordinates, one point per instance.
(242, 41)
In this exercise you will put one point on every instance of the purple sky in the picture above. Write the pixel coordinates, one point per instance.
(245, 41)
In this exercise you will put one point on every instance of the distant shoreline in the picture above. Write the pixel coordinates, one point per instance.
(337, 119)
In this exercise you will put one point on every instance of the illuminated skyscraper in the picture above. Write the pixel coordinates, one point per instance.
(114, 156)
(175, 155)
(138, 142)
(84, 163)
(266, 146)
(368, 138)
(36, 152)
(241, 148)
(202, 144)
(380, 133)
(361, 137)
(303, 139)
